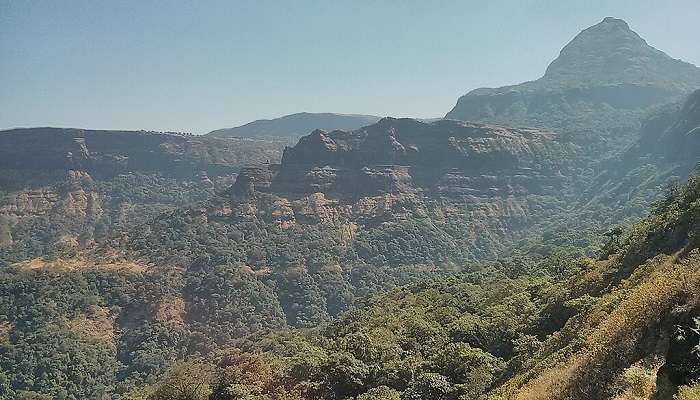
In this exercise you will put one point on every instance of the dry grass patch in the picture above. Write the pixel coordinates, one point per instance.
(171, 309)
(688, 393)
(79, 263)
(5, 329)
(639, 383)
(617, 325)
(96, 324)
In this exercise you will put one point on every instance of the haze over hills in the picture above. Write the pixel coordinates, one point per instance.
(109, 153)
(63, 189)
(226, 280)
(397, 259)
(295, 125)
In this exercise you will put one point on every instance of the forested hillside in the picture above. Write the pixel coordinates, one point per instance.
(465, 258)
(619, 326)
(228, 278)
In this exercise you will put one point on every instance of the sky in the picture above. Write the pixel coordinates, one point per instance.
(196, 66)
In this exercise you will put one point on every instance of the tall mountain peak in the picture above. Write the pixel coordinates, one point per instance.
(611, 22)
(612, 53)
(603, 80)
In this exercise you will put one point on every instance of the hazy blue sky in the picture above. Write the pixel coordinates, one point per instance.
(197, 66)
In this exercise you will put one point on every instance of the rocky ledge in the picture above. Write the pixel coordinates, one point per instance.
(445, 158)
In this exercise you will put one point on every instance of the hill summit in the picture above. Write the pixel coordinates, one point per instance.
(602, 82)
(611, 53)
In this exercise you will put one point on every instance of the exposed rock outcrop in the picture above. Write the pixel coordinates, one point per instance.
(401, 169)
(444, 158)
(62, 188)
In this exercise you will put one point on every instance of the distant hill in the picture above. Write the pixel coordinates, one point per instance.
(600, 86)
(107, 152)
(296, 125)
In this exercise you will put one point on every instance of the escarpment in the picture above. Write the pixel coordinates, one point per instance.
(105, 154)
(67, 188)
(484, 177)
(450, 159)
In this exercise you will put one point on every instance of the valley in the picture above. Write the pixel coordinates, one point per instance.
(539, 242)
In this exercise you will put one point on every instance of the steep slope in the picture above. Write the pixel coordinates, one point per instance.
(600, 85)
(422, 157)
(485, 176)
(674, 133)
(619, 327)
(65, 188)
(666, 152)
(634, 333)
(349, 214)
(295, 125)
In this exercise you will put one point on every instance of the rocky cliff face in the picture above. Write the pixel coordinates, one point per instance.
(110, 153)
(440, 159)
(679, 140)
(483, 176)
(66, 188)
(666, 150)
(669, 138)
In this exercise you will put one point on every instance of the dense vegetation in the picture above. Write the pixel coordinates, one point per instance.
(250, 304)
(87, 211)
(507, 332)
(131, 271)
(499, 329)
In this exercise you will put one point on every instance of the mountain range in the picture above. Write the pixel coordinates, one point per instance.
(392, 258)
(62, 189)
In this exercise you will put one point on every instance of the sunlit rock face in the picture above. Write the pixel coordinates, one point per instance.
(477, 175)
(446, 158)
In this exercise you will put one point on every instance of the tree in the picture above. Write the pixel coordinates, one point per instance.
(380, 393)
(474, 368)
(430, 386)
(185, 381)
